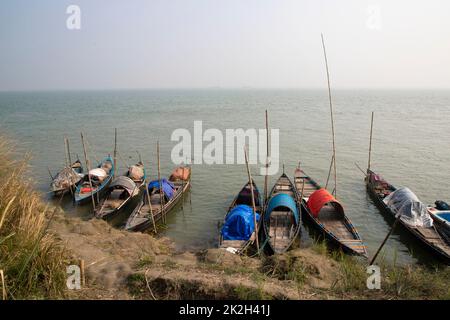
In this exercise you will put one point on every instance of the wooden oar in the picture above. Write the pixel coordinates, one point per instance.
(385, 239)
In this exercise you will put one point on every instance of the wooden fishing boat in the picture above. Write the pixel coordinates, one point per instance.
(118, 195)
(173, 190)
(238, 231)
(430, 237)
(282, 215)
(66, 180)
(100, 178)
(121, 193)
(327, 215)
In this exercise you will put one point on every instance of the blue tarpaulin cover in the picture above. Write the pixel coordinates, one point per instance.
(167, 187)
(282, 200)
(239, 223)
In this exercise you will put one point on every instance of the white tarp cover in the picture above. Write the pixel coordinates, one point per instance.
(403, 201)
(98, 172)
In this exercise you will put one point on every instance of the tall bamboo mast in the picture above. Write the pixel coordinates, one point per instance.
(370, 143)
(266, 178)
(332, 117)
(115, 152)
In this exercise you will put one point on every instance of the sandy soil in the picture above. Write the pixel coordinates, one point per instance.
(126, 265)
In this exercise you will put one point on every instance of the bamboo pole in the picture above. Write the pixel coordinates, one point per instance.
(89, 169)
(370, 143)
(65, 153)
(2, 277)
(182, 191)
(150, 205)
(68, 152)
(82, 273)
(50, 173)
(329, 171)
(250, 180)
(332, 117)
(266, 178)
(161, 196)
(385, 239)
(115, 152)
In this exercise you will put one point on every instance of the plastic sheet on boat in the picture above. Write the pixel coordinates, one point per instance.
(124, 183)
(282, 200)
(99, 173)
(320, 198)
(167, 187)
(239, 223)
(403, 201)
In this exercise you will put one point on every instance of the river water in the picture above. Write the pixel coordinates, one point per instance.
(410, 145)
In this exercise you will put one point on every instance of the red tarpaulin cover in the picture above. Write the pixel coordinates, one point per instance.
(318, 199)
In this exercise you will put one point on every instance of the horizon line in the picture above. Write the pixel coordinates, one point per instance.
(225, 88)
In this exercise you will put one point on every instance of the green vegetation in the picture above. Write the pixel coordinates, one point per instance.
(33, 261)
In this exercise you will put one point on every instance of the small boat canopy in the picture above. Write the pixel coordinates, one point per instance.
(239, 223)
(123, 182)
(282, 200)
(136, 172)
(167, 187)
(181, 173)
(403, 201)
(320, 198)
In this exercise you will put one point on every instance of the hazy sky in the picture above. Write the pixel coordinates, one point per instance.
(226, 43)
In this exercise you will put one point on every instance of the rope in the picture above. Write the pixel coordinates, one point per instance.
(93, 151)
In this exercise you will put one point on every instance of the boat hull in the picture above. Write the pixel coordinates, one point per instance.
(420, 240)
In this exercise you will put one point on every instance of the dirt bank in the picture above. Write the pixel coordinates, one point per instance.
(125, 265)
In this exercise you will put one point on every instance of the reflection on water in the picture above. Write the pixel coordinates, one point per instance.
(410, 146)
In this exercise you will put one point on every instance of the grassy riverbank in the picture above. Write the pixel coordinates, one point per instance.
(32, 260)
(38, 242)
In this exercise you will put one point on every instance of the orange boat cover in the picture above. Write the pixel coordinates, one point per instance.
(180, 173)
(320, 198)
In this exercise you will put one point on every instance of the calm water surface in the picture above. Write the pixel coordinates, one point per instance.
(410, 146)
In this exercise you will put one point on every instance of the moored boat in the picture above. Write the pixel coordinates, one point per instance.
(238, 230)
(414, 215)
(100, 178)
(66, 180)
(327, 215)
(122, 193)
(119, 194)
(172, 191)
(281, 218)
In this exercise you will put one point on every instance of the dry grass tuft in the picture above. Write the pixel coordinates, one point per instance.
(33, 261)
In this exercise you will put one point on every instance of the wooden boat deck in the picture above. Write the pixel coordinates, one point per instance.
(329, 219)
(282, 229)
